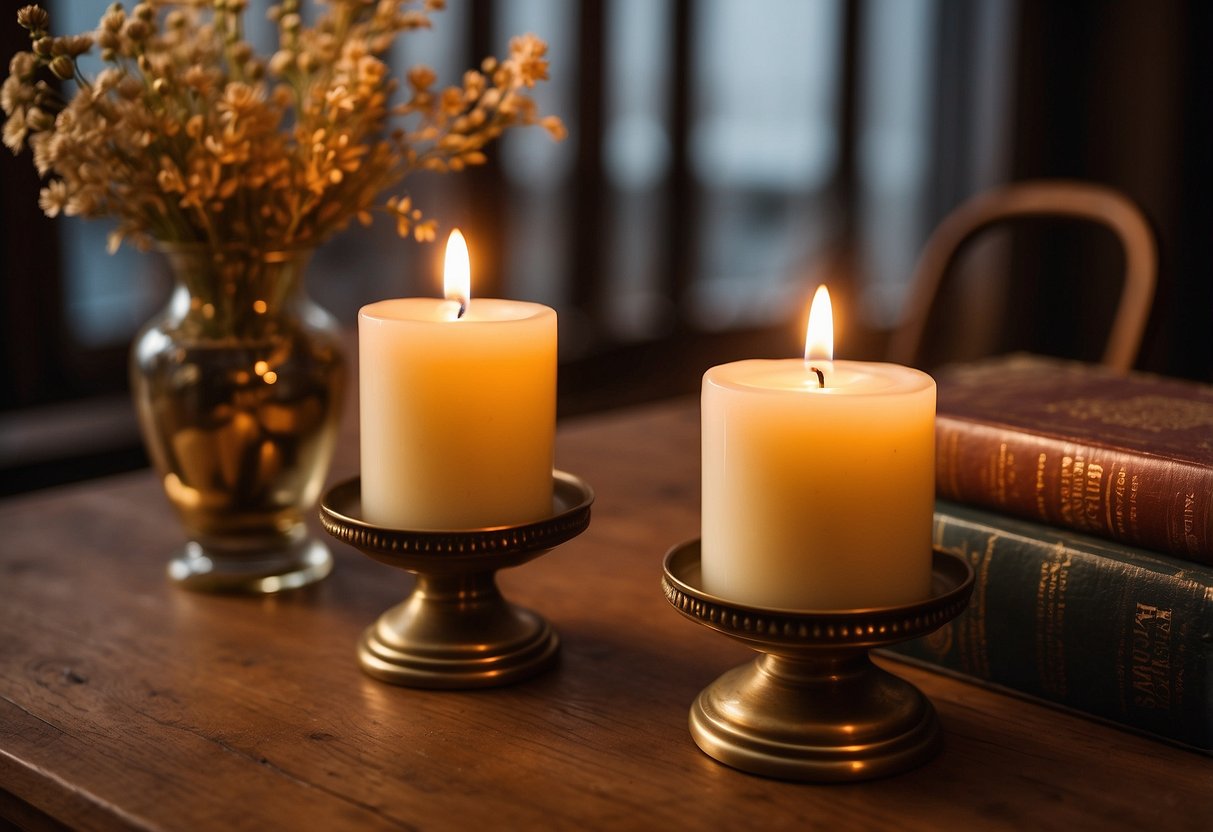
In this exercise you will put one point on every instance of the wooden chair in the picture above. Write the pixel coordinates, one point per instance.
(1047, 198)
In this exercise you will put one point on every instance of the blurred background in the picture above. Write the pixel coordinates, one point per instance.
(724, 157)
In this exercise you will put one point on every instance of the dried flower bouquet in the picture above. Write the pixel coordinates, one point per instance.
(187, 135)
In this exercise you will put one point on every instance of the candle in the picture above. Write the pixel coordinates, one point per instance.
(818, 479)
(458, 407)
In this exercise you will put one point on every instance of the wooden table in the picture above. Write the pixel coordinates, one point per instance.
(125, 702)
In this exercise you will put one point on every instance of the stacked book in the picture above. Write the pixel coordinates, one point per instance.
(1083, 499)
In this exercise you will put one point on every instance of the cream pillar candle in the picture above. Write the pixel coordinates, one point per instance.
(818, 492)
(458, 408)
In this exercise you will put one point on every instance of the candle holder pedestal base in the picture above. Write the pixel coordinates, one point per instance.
(813, 707)
(456, 630)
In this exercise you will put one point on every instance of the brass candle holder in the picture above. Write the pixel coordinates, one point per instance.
(456, 630)
(813, 706)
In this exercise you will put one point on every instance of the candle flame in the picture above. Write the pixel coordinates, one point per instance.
(819, 337)
(457, 271)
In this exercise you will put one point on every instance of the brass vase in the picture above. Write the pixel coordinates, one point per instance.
(238, 385)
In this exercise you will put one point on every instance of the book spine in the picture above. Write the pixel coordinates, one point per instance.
(1148, 501)
(1102, 635)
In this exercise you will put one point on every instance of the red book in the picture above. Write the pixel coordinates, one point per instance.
(1125, 457)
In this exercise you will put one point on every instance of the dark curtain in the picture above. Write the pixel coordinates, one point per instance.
(1119, 93)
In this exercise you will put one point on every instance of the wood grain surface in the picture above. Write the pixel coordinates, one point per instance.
(126, 703)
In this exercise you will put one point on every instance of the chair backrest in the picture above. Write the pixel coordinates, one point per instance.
(1055, 198)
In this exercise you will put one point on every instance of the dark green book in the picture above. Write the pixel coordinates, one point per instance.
(1106, 629)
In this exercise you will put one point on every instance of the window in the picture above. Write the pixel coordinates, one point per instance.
(724, 156)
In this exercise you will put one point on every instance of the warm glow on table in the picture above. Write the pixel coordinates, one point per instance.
(458, 411)
(817, 497)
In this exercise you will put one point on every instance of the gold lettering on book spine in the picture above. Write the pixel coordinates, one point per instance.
(1051, 620)
(1189, 515)
(1080, 488)
(1005, 472)
(1151, 675)
(1118, 504)
(1071, 472)
(1134, 487)
(1093, 496)
(1042, 504)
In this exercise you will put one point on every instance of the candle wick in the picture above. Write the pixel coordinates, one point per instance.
(821, 377)
(463, 307)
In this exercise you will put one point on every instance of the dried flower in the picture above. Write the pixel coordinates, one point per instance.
(188, 135)
(63, 67)
(53, 198)
(33, 18)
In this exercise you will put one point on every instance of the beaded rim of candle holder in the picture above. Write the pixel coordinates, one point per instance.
(824, 629)
(340, 514)
(455, 630)
(813, 707)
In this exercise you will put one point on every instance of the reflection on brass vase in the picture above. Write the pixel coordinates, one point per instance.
(238, 385)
